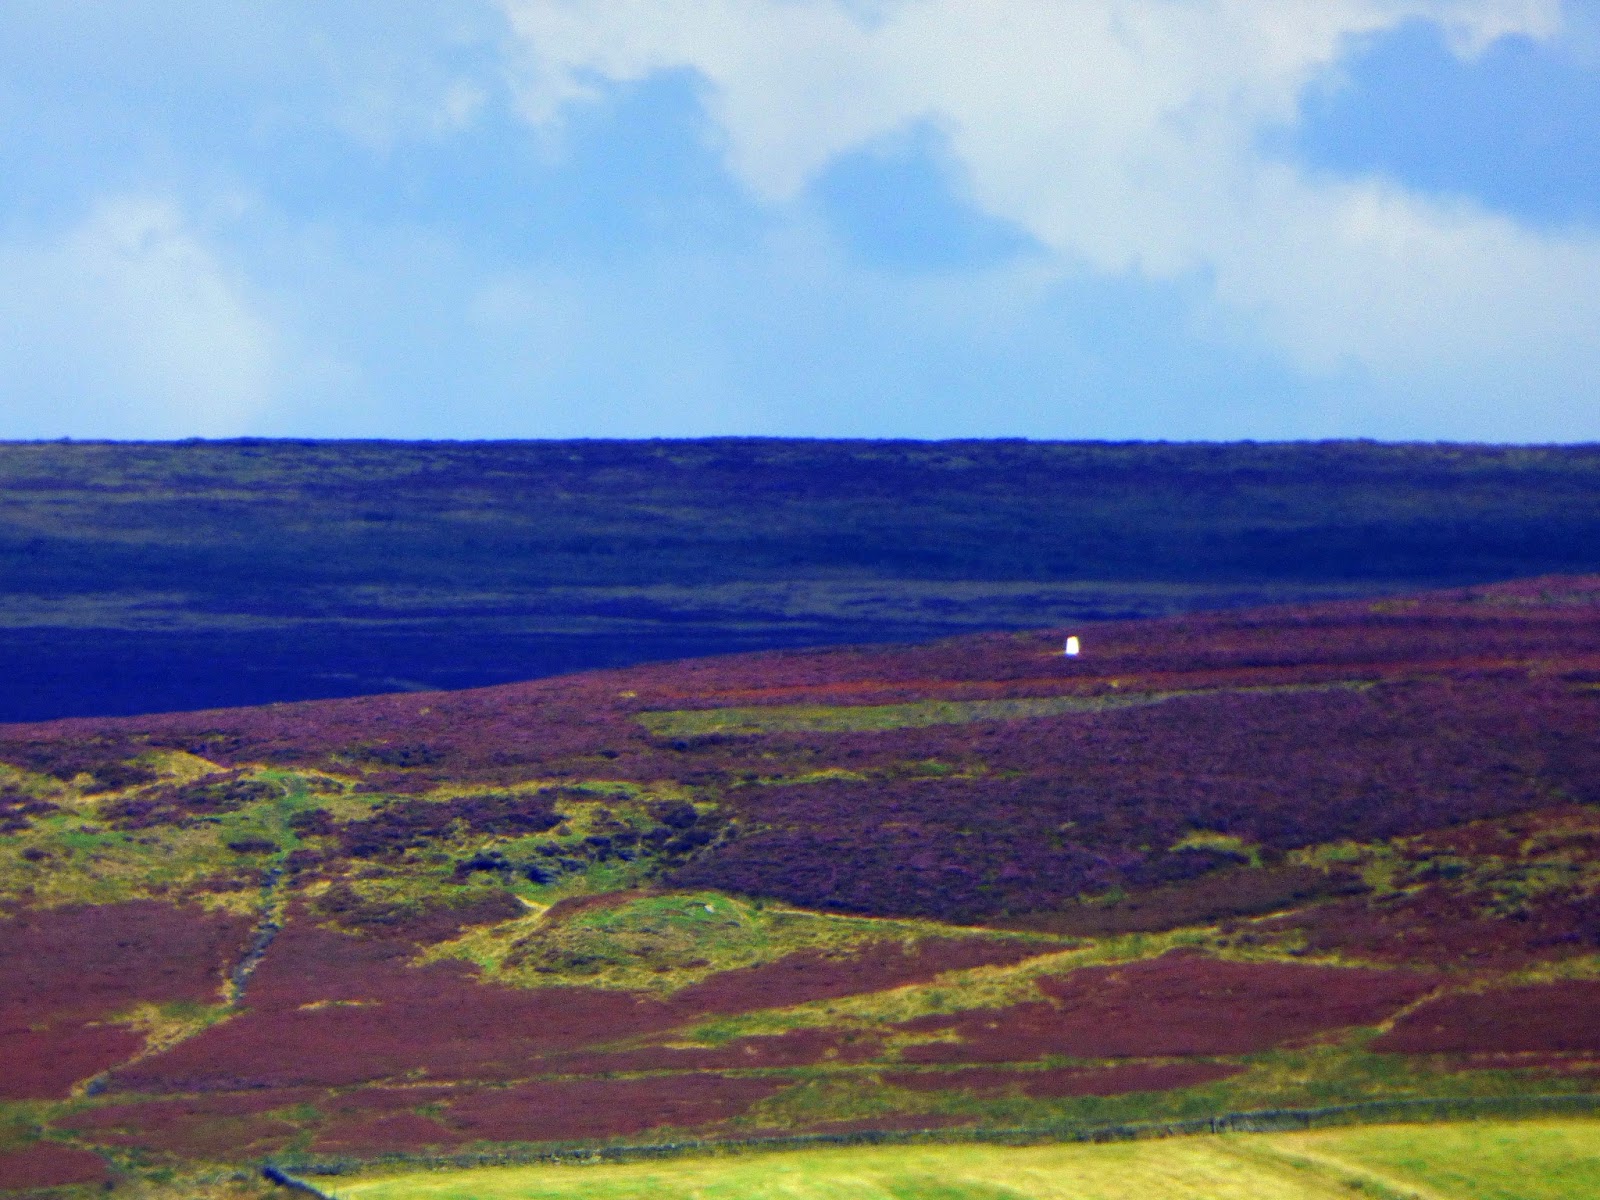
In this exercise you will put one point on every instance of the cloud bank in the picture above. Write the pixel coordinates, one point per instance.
(129, 324)
(929, 218)
(1126, 137)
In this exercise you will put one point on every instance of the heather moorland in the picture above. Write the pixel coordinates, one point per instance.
(1292, 857)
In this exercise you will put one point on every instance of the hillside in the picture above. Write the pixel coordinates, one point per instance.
(1293, 856)
(140, 578)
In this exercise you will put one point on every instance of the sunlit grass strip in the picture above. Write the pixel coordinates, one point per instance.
(697, 935)
(1536, 1160)
(1475, 1160)
(862, 718)
(1178, 1172)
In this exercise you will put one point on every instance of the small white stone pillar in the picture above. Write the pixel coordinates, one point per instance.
(1074, 647)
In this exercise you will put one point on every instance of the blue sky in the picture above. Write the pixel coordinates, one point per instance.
(911, 218)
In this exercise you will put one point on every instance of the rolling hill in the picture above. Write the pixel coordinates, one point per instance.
(1286, 857)
(145, 577)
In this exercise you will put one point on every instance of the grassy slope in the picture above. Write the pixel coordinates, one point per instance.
(1477, 1161)
(492, 853)
(152, 577)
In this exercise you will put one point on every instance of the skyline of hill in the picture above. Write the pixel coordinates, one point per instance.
(145, 577)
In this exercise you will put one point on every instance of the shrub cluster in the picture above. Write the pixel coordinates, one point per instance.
(186, 805)
(429, 920)
(403, 757)
(104, 757)
(408, 824)
(682, 831)
(17, 807)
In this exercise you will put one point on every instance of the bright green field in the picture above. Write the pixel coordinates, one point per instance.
(1501, 1160)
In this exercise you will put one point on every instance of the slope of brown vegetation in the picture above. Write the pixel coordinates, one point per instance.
(67, 970)
(48, 1165)
(1176, 1005)
(796, 1048)
(386, 1133)
(1056, 1082)
(810, 975)
(210, 1128)
(328, 1009)
(319, 1018)
(569, 1110)
(1561, 1016)
(44, 1064)
(86, 962)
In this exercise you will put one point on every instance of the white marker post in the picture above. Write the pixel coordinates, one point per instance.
(1073, 647)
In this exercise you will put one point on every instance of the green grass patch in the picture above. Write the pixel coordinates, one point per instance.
(75, 857)
(1488, 1160)
(856, 718)
(1470, 1160)
(665, 941)
(976, 987)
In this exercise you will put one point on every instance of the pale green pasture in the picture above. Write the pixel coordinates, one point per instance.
(1529, 1160)
(858, 718)
(1472, 1160)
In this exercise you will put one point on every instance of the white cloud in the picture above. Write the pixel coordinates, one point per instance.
(129, 325)
(380, 74)
(1125, 136)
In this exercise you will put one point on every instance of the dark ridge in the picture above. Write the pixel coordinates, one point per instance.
(144, 577)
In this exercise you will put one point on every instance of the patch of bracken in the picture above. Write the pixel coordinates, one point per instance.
(85, 962)
(44, 1064)
(1548, 1017)
(418, 921)
(1436, 925)
(568, 1110)
(1178, 1005)
(50, 1165)
(187, 805)
(1218, 896)
(1057, 1082)
(226, 1128)
(409, 824)
(18, 808)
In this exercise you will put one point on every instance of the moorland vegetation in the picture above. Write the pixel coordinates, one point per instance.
(152, 577)
(1294, 857)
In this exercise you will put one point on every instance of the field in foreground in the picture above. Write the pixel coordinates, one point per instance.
(1532, 1160)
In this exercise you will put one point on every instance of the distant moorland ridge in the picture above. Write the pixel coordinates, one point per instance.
(141, 577)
